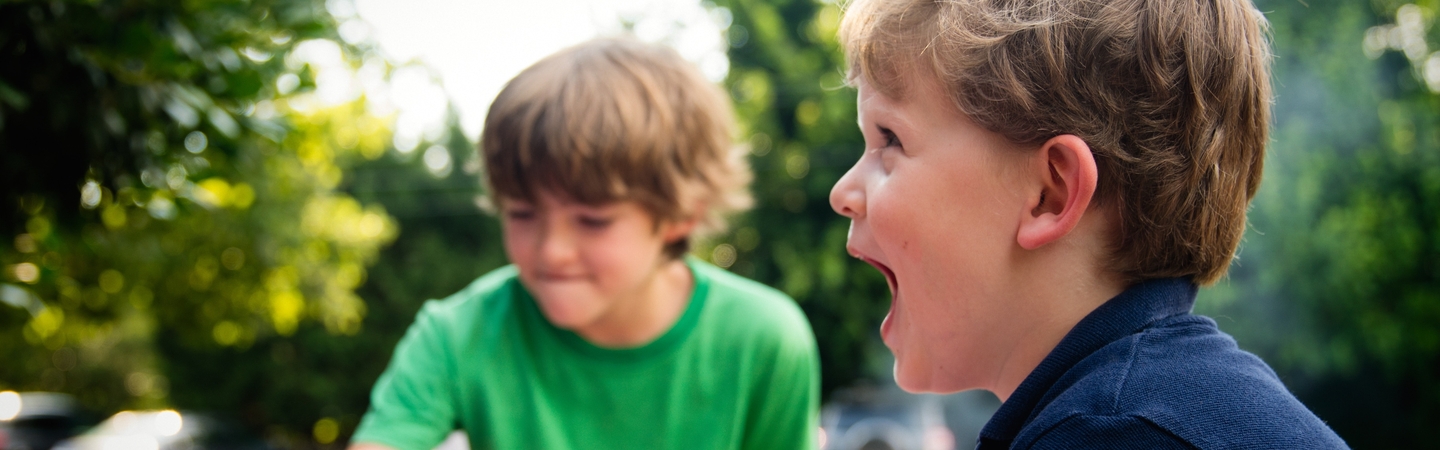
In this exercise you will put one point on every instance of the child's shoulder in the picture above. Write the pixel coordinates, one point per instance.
(1184, 376)
(728, 284)
(747, 306)
(483, 298)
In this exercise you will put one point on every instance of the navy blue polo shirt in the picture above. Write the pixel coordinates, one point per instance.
(1142, 372)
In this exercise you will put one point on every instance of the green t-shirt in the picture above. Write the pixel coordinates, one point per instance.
(738, 370)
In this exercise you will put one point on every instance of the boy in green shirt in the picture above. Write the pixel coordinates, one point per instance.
(603, 160)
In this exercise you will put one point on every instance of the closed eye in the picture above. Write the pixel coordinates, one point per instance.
(520, 214)
(595, 223)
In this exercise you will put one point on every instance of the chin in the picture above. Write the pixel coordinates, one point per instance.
(922, 380)
(570, 323)
(563, 317)
(909, 380)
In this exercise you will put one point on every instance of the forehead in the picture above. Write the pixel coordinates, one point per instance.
(923, 103)
(925, 120)
(555, 201)
(543, 197)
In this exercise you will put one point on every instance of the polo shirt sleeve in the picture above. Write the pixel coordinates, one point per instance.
(412, 405)
(1109, 432)
(785, 398)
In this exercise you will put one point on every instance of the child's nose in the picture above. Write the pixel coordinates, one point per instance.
(557, 246)
(847, 197)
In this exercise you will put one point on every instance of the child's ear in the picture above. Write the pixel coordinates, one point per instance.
(674, 230)
(1064, 175)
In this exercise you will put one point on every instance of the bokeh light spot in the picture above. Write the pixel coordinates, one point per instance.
(168, 423)
(111, 281)
(113, 216)
(27, 272)
(723, 256)
(797, 165)
(437, 160)
(326, 430)
(90, 195)
(226, 333)
(9, 405)
(232, 258)
(196, 142)
(24, 243)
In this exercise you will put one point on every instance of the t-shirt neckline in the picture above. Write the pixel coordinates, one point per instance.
(666, 342)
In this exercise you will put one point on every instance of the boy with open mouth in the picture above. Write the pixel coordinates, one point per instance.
(1044, 185)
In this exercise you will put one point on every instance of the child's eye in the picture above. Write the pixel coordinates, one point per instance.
(520, 214)
(595, 223)
(890, 139)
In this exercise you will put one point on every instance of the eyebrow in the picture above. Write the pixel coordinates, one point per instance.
(888, 111)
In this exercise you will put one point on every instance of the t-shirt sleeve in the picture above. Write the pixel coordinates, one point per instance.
(412, 405)
(1108, 432)
(785, 409)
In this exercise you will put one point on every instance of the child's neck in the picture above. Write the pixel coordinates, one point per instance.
(656, 304)
(1068, 303)
(1062, 285)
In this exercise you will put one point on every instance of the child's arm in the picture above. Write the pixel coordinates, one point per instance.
(412, 404)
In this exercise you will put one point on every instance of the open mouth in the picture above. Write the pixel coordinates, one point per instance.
(889, 274)
(888, 323)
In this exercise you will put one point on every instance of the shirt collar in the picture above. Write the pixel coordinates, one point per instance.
(1132, 310)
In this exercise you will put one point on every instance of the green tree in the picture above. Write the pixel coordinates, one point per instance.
(798, 118)
(171, 198)
(1337, 284)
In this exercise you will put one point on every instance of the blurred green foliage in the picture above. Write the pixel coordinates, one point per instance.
(798, 119)
(170, 197)
(1337, 283)
(185, 225)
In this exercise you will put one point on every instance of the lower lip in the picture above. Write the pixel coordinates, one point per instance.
(889, 322)
(885, 325)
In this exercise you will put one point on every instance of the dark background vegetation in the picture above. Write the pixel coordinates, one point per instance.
(181, 229)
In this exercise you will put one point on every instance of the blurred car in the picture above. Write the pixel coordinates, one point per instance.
(37, 420)
(865, 418)
(164, 430)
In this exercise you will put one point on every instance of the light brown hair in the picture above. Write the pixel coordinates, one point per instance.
(616, 119)
(1172, 96)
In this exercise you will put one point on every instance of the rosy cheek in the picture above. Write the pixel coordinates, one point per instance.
(519, 244)
(887, 223)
